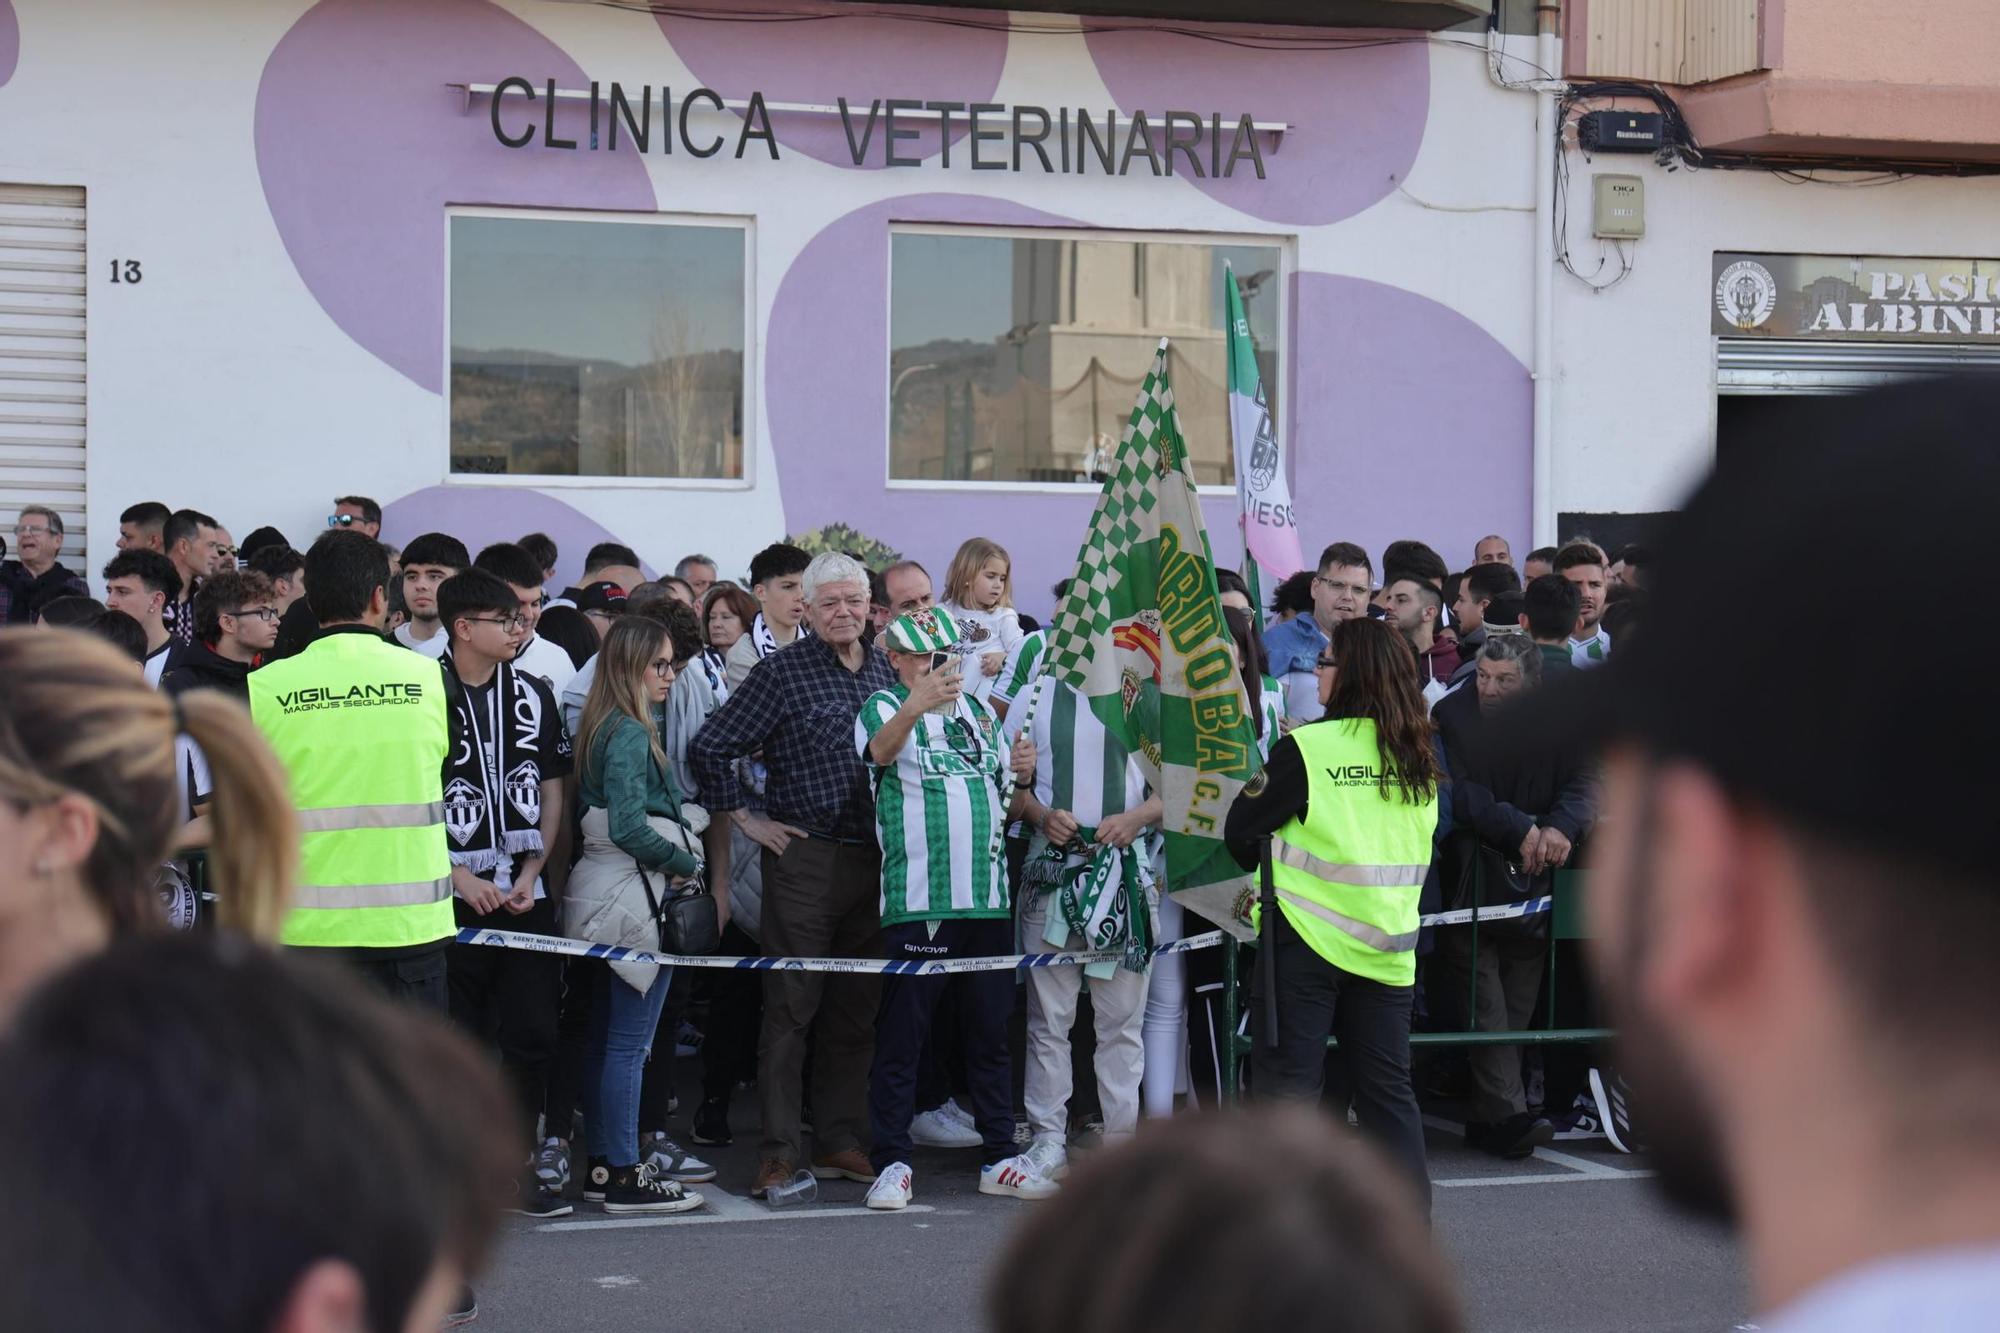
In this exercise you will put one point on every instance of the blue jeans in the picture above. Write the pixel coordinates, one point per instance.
(621, 1033)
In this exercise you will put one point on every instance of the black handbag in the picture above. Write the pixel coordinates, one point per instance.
(686, 916)
(1483, 876)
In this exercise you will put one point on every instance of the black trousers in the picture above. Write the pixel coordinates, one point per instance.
(985, 1001)
(407, 977)
(580, 980)
(1317, 1000)
(656, 1082)
(508, 999)
(735, 1012)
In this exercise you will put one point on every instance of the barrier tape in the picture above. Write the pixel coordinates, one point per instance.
(909, 967)
(928, 967)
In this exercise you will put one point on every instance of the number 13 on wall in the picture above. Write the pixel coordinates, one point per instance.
(125, 270)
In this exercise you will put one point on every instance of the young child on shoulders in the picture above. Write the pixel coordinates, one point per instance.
(979, 595)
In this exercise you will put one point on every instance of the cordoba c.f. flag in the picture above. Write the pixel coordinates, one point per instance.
(1141, 637)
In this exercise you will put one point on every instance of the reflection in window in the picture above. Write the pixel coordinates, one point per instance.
(596, 348)
(1017, 359)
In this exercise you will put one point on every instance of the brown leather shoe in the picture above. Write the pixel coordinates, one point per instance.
(848, 1164)
(771, 1171)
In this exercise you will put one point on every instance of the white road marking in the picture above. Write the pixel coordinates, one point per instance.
(618, 1280)
(723, 1207)
(1557, 1178)
(1577, 1168)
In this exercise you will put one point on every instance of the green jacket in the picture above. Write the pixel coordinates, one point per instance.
(621, 777)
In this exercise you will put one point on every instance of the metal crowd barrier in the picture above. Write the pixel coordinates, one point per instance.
(1566, 913)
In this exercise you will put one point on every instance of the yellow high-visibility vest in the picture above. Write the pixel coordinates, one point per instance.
(1348, 877)
(362, 729)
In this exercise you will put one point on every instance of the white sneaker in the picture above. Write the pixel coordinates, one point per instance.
(891, 1189)
(1017, 1177)
(936, 1129)
(673, 1162)
(954, 1112)
(1048, 1156)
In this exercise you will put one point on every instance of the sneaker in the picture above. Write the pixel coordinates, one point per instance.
(891, 1189)
(464, 1309)
(1614, 1112)
(711, 1124)
(670, 1161)
(596, 1177)
(552, 1166)
(953, 1111)
(849, 1165)
(1016, 1177)
(533, 1201)
(639, 1189)
(772, 1172)
(1048, 1157)
(1511, 1139)
(936, 1129)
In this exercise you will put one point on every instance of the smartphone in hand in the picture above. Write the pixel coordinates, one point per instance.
(950, 664)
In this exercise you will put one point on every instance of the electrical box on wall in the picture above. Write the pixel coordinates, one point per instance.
(1620, 210)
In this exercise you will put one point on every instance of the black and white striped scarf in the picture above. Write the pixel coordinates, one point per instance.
(493, 783)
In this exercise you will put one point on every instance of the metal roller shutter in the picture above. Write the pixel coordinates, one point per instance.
(1778, 365)
(42, 354)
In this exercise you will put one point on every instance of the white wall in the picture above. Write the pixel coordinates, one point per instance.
(220, 381)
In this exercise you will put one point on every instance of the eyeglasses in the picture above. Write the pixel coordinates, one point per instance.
(24, 530)
(343, 520)
(1325, 663)
(663, 667)
(267, 614)
(508, 623)
(226, 552)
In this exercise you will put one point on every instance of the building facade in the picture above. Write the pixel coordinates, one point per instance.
(699, 280)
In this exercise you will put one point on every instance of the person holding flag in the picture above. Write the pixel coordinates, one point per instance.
(1139, 722)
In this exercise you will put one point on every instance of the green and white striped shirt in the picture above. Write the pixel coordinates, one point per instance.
(937, 812)
(1021, 668)
(1079, 766)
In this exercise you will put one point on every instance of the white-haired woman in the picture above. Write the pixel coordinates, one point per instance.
(822, 867)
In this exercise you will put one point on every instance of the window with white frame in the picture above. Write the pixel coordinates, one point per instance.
(1016, 357)
(597, 347)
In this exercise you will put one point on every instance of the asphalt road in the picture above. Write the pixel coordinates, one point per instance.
(1571, 1241)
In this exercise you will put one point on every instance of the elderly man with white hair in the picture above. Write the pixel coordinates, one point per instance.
(822, 867)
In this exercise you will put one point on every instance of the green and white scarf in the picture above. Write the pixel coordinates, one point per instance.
(1100, 895)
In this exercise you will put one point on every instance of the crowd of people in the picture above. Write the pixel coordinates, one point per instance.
(357, 752)
(847, 764)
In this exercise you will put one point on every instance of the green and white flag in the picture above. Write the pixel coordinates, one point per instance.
(1141, 636)
(1270, 529)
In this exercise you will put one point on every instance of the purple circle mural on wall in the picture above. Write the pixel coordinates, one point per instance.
(1396, 395)
(361, 146)
(482, 515)
(10, 40)
(844, 50)
(827, 405)
(1357, 113)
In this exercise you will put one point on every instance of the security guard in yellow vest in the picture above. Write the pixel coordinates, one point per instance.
(363, 729)
(1353, 806)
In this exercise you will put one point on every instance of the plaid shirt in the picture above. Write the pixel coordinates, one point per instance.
(798, 707)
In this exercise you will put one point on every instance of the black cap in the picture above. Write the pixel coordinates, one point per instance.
(1868, 523)
(259, 539)
(606, 596)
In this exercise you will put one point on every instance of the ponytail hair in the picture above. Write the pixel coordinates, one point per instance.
(253, 856)
(77, 718)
